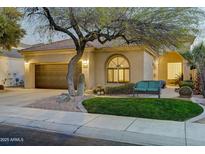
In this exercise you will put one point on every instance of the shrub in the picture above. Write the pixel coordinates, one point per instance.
(123, 89)
(1, 87)
(178, 79)
(185, 92)
(188, 83)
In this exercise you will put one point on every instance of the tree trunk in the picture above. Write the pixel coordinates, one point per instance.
(71, 71)
(197, 85)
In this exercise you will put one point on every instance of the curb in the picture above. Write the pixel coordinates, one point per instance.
(81, 107)
(202, 115)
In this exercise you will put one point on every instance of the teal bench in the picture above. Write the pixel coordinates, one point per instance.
(147, 87)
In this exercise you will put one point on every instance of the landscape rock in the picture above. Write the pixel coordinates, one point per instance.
(63, 98)
(81, 85)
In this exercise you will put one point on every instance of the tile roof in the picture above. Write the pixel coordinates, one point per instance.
(68, 44)
(63, 44)
(13, 53)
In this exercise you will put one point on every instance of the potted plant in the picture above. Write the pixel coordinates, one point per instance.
(2, 84)
(1, 87)
(99, 90)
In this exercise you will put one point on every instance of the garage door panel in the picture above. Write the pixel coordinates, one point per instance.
(53, 76)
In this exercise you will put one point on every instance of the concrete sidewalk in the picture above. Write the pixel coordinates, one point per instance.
(116, 128)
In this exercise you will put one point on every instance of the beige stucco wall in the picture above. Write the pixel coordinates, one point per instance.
(89, 70)
(135, 58)
(141, 63)
(56, 57)
(148, 66)
(156, 69)
(29, 75)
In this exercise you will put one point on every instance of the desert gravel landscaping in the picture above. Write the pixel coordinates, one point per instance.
(50, 103)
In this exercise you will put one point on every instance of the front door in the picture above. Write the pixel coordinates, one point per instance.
(174, 71)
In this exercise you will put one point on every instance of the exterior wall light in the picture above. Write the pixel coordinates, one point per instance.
(85, 63)
(26, 63)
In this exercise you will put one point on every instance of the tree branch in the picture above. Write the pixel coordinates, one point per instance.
(58, 28)
(75, 24)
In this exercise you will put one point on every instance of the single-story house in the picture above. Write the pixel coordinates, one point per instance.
(12, 67)
(112, 63)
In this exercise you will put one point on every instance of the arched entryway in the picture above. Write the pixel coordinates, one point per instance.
(170, 67)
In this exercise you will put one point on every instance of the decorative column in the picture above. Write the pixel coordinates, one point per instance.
(29, 75)
(88, 69)
(156, 69)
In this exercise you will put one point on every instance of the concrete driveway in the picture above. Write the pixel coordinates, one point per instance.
(23, 97)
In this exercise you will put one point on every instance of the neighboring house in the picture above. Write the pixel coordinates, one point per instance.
(110, 64)
(12, 67)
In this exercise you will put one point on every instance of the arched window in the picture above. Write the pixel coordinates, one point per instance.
(118, 70)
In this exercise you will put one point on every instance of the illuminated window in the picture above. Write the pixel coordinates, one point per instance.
(118, 70)
(174, 69)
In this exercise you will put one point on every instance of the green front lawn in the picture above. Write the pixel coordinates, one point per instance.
(153, 108)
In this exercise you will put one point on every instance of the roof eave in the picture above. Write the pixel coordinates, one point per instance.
(64, 50)
(152, 52)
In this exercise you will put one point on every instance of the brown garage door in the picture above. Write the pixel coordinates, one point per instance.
(53, 76)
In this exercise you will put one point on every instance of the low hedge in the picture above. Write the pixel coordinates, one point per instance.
(187, 83)
(122, 89)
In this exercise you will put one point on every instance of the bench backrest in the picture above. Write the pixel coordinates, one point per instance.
(142, 84)
(154, 84)
(148, 85)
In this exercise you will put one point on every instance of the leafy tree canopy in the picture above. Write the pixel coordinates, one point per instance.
(156, 27)
(196, 57)
(10, 29)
